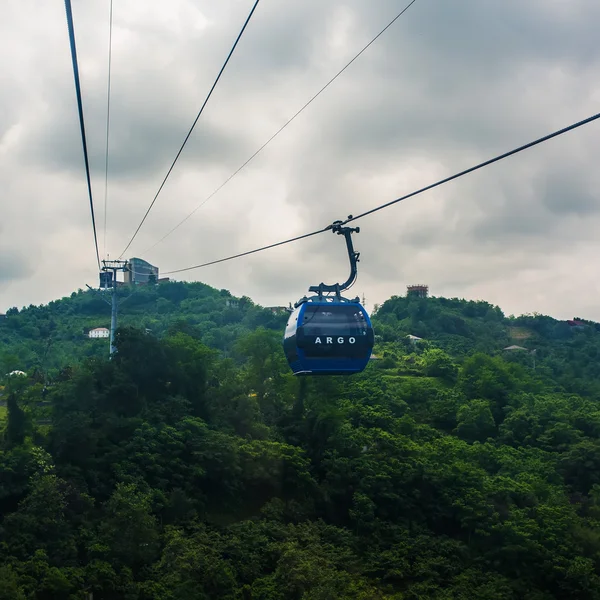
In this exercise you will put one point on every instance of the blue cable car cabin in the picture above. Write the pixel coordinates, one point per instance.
(328, 338)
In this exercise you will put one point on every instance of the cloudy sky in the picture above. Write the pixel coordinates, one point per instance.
(450, 84)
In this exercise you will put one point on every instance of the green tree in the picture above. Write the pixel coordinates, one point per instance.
(129, 532)
(475, 421)
(439, 364)
(18, 424)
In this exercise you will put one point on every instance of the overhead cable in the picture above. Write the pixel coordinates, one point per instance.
(479, 166)
(214, 262)
(420, 191)
(192, 127)
(81, 120)
(110, 28)
(283, 126)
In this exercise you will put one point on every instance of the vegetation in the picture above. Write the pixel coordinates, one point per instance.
(48, 337)
(194, 465)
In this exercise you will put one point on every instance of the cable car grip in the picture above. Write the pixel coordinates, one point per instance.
(338, 228)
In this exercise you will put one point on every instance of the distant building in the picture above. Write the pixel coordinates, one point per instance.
(515, 348)
(17, 374)
(414, 339)
(2, 316)
(576, 324)
(421, 291)
(99, 332)
(140, 272)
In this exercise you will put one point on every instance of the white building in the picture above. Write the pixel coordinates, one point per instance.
(99, 332)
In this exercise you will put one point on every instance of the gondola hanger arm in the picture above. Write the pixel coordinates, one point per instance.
(339, 228)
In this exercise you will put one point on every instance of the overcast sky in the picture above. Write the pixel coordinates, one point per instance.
(450, 84)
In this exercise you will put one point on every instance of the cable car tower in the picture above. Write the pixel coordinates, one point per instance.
(108, 280)
(328, 334)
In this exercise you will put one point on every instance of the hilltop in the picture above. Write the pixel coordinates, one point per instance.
(565, 351)
(50, 336)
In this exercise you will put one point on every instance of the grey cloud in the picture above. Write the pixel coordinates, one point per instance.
(482, 36)
(146, 133)
(567, 193)
(14, 266)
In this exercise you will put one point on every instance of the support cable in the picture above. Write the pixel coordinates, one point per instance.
(217, 190)
(420, 191)
(479, 166)
(192, 127)
(214, 262)
(81, 120)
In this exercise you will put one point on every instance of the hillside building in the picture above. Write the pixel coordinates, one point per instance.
(421, 291)
(140, 272)
(98, 332)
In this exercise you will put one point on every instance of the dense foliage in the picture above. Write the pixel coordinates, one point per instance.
(194, 465)
(48, 337)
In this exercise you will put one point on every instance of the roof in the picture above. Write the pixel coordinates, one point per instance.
(413, 337)
(515, 348)
(99, 329)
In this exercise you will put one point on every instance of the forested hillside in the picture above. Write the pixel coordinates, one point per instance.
(195, 466)
(50, 336)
